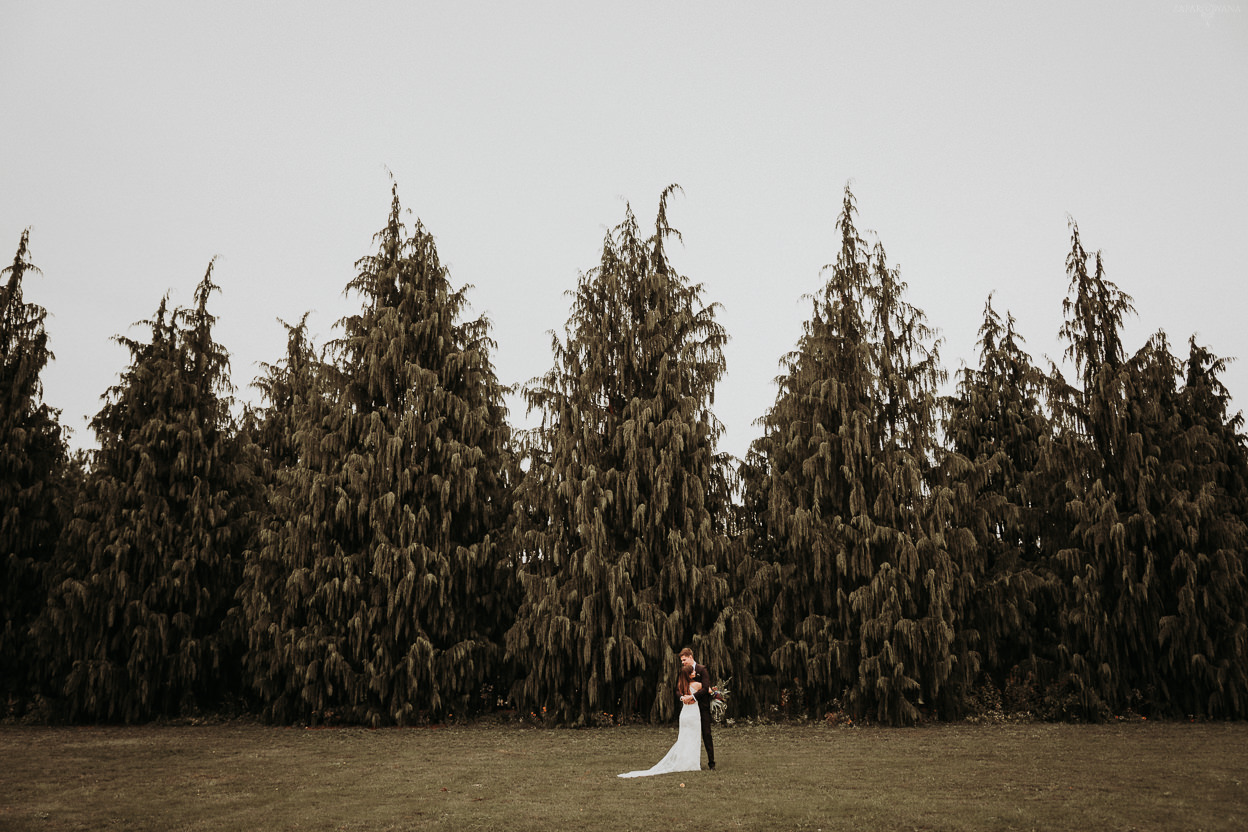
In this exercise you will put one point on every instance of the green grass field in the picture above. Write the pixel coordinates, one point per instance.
(1139, 776)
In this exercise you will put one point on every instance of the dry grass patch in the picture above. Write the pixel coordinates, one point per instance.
(947, 777)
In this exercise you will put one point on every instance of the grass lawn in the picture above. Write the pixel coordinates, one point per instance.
(1140, 776)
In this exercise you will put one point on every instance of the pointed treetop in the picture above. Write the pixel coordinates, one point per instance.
(205, 288)
(662, 228)
(11, 292)
(1094, 310)
(20, 262)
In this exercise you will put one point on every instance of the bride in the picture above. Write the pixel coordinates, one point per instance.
(686, 754)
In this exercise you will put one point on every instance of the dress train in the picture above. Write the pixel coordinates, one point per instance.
(686, 753)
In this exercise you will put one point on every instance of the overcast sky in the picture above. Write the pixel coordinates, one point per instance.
(140, 140)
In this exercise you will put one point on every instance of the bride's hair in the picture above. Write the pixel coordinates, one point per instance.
(682, 681)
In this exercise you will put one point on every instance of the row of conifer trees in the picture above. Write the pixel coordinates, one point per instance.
(374, 544)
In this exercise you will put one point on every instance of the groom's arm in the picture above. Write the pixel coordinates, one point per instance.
(708, 682)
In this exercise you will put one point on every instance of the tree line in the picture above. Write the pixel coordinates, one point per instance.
(374, 544)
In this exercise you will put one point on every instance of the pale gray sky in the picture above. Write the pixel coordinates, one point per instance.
(141, 139)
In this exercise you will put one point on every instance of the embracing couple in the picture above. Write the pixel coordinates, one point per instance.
(695, 686)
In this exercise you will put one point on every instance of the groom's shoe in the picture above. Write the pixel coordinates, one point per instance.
(711, 765)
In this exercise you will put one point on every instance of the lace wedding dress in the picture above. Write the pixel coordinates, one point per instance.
(686, 754)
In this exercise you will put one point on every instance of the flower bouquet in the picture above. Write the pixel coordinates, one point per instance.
(719, 700)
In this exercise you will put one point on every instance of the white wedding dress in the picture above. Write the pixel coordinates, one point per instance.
(686, 754)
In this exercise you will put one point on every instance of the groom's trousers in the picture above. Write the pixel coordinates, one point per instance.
(704, 708)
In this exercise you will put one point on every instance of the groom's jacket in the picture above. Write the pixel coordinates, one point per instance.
(703, 697)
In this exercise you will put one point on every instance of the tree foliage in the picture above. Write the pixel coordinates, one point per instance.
(149, 564)
(287, 388)
(619, 519)
(370, 545)
(380, 584)
(862, 618)
(32, 464)
(997, 431)
(1153, 614)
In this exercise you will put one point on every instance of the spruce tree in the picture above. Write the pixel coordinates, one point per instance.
(622, 539)
(1153, 573)
(1100, 571)
(1134, 505)
(997, 430)
(32, 465)
(1184, 511)
(149, 564)
(862, 618)
(285, 387)
(1204, 626)
(381, 583)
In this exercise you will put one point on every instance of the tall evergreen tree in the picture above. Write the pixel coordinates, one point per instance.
(1183, 512)
(621, 535)
(149, 564)
(32, 462)
(285, 387)
(1104, 627)
(1204, 626)
(997, 429)
(1138, 514)
(382, 582)
(1153, 575)
(842, 472)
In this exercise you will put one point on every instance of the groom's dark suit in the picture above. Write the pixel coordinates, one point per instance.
(703, 698)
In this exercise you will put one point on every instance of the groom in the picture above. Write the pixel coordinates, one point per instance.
(703, 698)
